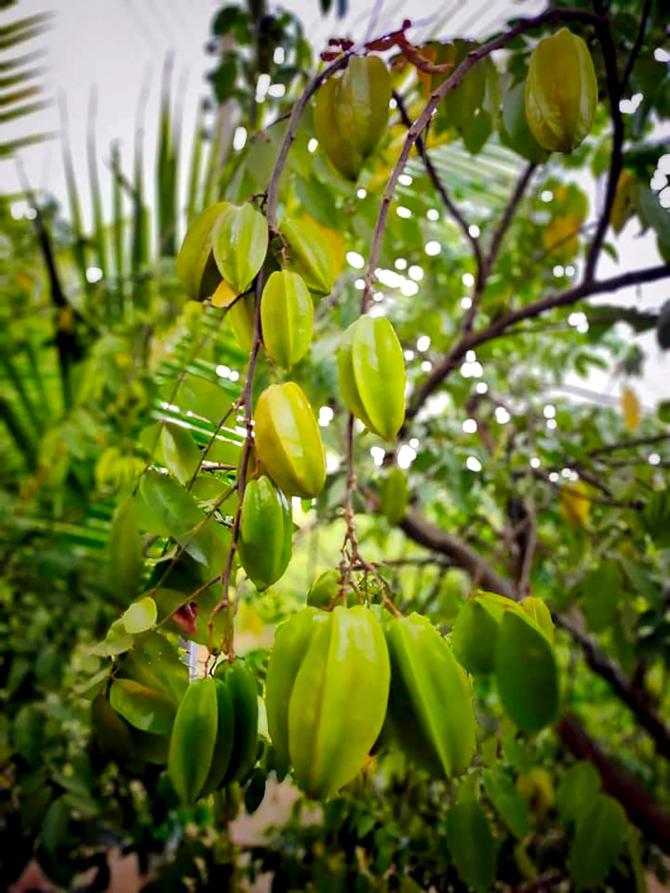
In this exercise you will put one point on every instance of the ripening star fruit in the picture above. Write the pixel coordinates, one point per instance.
(561, 91)
(514, 642)
(287, 317)
(193, 739)
(351, 113)
(430, 711)
(371, 371)
(326, 694)
(288, 442)
(240, 243)
(214, 738)
(266, 531)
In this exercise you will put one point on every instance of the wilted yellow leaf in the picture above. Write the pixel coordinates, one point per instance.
(561, 236)
(575, 504)
(223, 296)
(630, 408)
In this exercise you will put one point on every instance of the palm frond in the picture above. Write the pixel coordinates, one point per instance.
(20, 87)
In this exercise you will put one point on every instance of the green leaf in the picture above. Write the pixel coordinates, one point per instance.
(170, 510)
(55, 826)
(180, 452)
(471, 845)
(578, 788)
(654, 216)
(656, 518)
(515, 130)
(125, 549)
(201, 396)
(155, 663)
(601, 834)
(474, 637)
(526, 673)
(27, 733)
(601, 590)
(140, 616)
(144, 708)
(508, 802)
(117, 640)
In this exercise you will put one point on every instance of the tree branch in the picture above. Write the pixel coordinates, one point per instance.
(634, 798)
(502, 323)
(499, 234)
(616, 158)
(434, 538)
(637, 46)
(636, 699)
(508, 215)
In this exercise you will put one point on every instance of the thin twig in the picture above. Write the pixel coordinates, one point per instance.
(637, 46)
(630, 444)
(586, 289)
(616, 157)
(439, 186)
(488, 262)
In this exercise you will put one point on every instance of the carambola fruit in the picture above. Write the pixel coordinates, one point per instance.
(240, 243)
(288, 442)
(287, 317)
(266, 532)
(561, 91)
(351, 113)
(326, 695)
(371, 371)
(431, 715)
(214, 739)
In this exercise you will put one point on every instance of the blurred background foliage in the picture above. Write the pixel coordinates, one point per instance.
(107, 369)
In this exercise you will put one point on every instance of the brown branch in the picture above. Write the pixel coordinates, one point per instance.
(439, 186)
(584, 290)
(616, 157)
(530, 544)
(434, 538)
(629, 444)
(636, 699)
(489, 260)
(637, 46)
(635, 799)
(508, 215)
